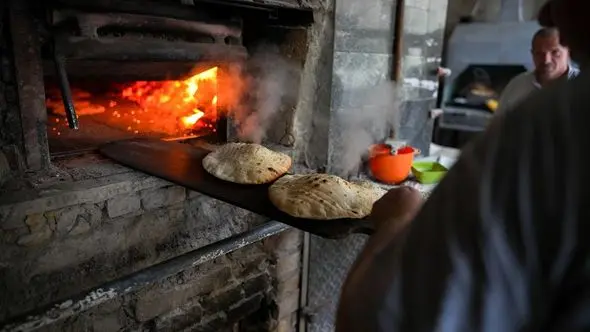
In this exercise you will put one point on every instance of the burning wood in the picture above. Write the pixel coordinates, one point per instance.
(167, 108)
(192, 102)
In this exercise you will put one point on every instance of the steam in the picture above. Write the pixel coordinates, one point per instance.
(269, 80)
(375, 115)
(371, 113)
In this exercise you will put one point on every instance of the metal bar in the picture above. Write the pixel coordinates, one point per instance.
(123, 49)
(167, 8)
(205, 11)
(131, 283)
(266, 4)
(66, 92)
(90, 23)
(129, 70)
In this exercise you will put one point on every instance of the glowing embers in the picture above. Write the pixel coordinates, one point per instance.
(115, 110)
(190, 103)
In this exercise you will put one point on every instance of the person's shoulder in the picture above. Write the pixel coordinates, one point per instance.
(573, 72)
(574, 89)
(557, 99)
(527, 76)
(522, 79)
(516, 89)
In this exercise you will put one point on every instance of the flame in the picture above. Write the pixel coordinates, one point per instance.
(190, 120)
(184, 101)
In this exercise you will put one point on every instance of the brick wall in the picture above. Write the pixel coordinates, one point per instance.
(65, 241)
(243, 291)
(211, 297)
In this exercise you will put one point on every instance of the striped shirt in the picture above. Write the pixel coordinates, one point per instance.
(522, 86)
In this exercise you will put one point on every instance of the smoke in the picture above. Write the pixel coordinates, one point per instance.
(371, 114)
(269, 79)
(375, 115)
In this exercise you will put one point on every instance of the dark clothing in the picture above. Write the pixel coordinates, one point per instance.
(501, 243)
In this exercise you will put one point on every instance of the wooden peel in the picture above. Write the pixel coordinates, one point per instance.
(182, 164)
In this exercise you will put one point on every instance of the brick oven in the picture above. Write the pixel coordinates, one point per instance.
(89, 245)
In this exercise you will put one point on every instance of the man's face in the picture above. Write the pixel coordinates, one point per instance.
(550, 58)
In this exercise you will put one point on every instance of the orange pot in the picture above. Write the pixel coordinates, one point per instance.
(379, 149)
(391, 169)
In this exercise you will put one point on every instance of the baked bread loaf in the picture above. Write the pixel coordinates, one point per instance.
(323, 196)
(246, 163)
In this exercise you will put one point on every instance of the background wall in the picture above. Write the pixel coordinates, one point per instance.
(485, 10)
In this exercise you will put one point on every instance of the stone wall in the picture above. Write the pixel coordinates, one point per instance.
(253, 289)
(211, 297)
(363, 46)
(104, 221)
(312, 116)
(363, 57)
(364, 60)
(422, 47)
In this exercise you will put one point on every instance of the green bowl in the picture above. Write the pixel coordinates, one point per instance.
(427, 172)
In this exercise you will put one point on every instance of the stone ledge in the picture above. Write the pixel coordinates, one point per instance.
(17, 205)
(88, 179)
(123, 205)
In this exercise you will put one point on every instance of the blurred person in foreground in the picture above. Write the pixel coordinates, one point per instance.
(501, 245)
(552, 63)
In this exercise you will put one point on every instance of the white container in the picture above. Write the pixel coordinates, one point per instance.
(444, 155)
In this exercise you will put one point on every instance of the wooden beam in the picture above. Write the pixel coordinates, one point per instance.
(398, 40)
(31, 89)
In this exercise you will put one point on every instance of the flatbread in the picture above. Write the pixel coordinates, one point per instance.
(246, 163)
(323, 196)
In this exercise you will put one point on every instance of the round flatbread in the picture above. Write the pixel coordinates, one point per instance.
(246, 163)
(323, 197)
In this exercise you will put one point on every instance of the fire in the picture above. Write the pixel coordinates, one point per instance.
(187, 102)
(190, 120)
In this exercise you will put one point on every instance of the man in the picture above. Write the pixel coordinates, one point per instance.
(502, 244)
(551, 61)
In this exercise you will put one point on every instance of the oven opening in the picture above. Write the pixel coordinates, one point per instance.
(477, 85)
(138, 75)
(185, 103)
